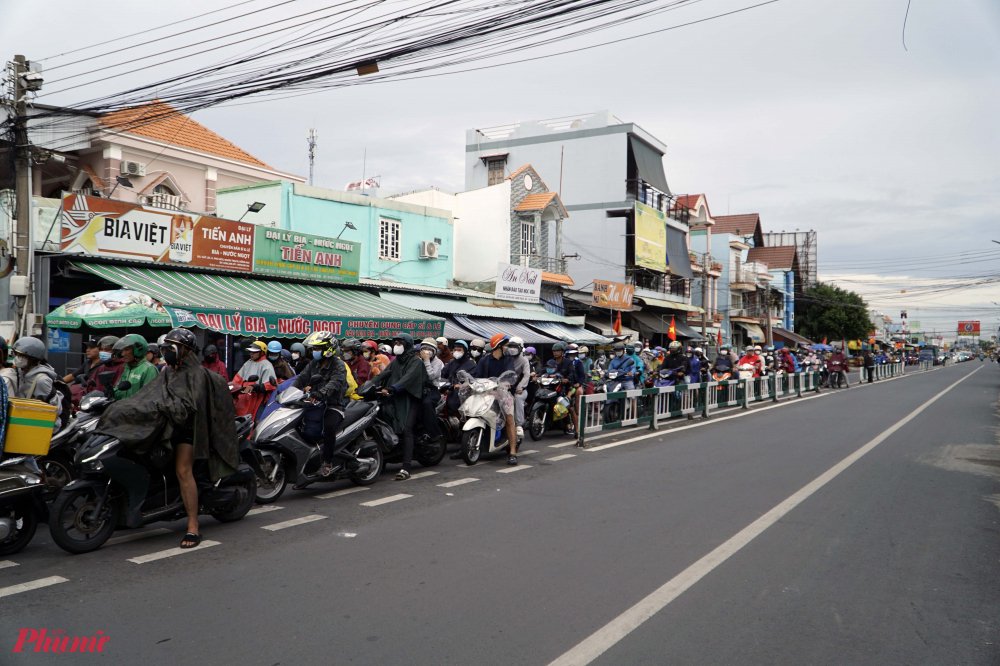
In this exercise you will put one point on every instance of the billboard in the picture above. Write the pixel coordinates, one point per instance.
(518, 283)
(297, 255)
(650, 238)
(612, 295)
(968, 328)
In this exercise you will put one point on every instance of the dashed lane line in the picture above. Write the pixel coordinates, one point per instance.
(529, 451)
(265, 508)
(32, 585)
(386, 500)
(513, 468)
(459, 482)
(345, 491)
(559, 446)
(6, 564)
(420, 475)
(172, 552)
(138, 535)
(293, 522)
(564, 456)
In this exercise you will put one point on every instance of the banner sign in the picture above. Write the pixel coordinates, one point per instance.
(968, 328)
(650, 238)
(274, 325)
(295, 254)
(518, 283)
(108, 228)
(612, 295)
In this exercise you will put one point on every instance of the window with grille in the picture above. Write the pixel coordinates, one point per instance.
(388, 239)
(527, 238)
(496, 171)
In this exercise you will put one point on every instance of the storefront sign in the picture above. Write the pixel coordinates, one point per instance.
(968, 328)
(298, 326)
(294, 254)
(612, 295)
(58, 341)
(518, 283)
(650, 238)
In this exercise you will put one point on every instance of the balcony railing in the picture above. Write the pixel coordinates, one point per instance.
(743, 275)
(161, 200)
(547, 264)
(673, 288)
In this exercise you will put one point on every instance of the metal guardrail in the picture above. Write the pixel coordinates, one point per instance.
(926, 365)
(884, 371)
(608, 411)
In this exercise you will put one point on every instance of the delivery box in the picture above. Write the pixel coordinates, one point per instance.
(29, 427)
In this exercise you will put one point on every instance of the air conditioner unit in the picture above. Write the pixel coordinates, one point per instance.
(428, 250)
(133, 168)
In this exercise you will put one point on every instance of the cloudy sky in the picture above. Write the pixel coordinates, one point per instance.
(809, 112)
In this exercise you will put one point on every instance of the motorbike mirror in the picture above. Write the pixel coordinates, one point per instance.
(124, 385)
(252, 378)
(106, 377)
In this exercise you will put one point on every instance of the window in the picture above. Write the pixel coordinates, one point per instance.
(388, 239)
(163, 189)
(527, 238)
(496, 171)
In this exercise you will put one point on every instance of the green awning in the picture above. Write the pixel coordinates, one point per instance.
(500, 309)
(243, 306)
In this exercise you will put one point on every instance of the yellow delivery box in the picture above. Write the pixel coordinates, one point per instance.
(29, 427)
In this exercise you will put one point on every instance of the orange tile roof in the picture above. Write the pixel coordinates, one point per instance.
(557, 278)
(536, 201)
(520, 169)
(160, 121)
(94, 178)
(779, 257)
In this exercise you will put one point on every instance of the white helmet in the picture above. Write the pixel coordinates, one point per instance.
(516, 342)
(699, 350)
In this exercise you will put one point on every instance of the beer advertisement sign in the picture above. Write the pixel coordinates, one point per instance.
(613, 295)
(298, 255)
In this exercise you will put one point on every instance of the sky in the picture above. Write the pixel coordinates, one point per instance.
(808, 112)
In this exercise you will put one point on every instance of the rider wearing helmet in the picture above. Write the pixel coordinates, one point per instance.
(138, 371)
(566, 368)
(443, 350)
(281, 367)
(325, 381)
(299, 359)
(35, 376)
(108, 362)
(154, 357)
(585, 360)
(213, 362)
(676, 358)
(623, 363)
(376, 361)
(254, 394)
(7, 370)
(405, 379)
(429, 352)
(522, 367)
(476, 349)
(493, 365)
(352, 351)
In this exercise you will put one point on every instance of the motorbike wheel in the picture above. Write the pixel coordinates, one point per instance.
(72, 524)
(25, 523)
(269, 491)
(537, 427)
(248, 492)
(59, 471)
(472, 445)
(613, 412)
(431, 457)
(372, 475)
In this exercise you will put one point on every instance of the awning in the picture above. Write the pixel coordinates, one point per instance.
(489, 307)
(678, 259)
(756, 332)
(650, 165)
(242, 306)
(571, 333)
(662, 325)
(453, 331)
(667, 305)
(603, 326)
(791, 337)
(487, 328)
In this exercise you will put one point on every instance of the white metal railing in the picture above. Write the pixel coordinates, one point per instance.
(743, 274)
(882, 371)
(162, 200)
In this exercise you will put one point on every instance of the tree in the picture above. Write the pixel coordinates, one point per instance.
(831, 312)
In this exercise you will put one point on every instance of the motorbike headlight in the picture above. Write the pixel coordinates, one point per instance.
(30, 479)
(271, 428)
(97, 465)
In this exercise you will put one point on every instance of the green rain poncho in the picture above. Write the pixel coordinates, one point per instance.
(406, 372)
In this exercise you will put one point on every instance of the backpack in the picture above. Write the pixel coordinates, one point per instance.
(60, 397)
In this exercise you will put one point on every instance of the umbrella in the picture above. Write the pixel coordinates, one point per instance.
(819, 346)
(116, 308)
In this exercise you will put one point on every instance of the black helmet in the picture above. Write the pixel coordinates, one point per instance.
(351, 345)
(3, 346)
(211, 349)
(108, 341)
(618, 346)
(153, 349)
(559, 346)
(182, 336)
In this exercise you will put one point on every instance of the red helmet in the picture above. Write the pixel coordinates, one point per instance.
(368, 344)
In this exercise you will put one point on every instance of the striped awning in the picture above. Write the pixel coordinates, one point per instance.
(487, 328)
(484, 307)
(575, 334)
(239, 305)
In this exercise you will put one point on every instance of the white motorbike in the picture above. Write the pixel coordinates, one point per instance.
(484, 405)
(747, 371)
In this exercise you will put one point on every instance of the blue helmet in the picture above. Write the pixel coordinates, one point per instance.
(274, 347)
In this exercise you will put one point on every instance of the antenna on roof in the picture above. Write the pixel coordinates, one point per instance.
(313, 134)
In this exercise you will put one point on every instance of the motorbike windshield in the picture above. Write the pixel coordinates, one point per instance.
(290, 394)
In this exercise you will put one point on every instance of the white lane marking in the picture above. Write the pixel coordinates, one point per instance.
(345, 491)
(152, 557)
(346, 535)
(513, 468)
(562, 457)
(386, 500)
(420, 475)
(459, 482)
(6, 564)
(559, 446)
(138, 535)
(597, 643)
(524, 453)
(265, 508)
(32, 585)
(293, 522)
(660, 433)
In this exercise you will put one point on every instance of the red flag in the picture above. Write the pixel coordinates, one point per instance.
(719, 338)
(824, 339)
(618, 324)
(672, 331)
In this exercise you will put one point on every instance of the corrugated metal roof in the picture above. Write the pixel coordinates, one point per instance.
(453, 331)
(487, 328)
(571, 333)
(450, 306)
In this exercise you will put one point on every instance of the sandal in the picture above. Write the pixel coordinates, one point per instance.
(191, 536)
(402, 475)
(326, 469)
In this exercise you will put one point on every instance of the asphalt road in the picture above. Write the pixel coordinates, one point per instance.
(892, 561)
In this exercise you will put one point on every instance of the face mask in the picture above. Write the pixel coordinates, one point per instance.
(348, 356)
(620, 353)
(295, 356)
(317, 355)
(368, 355)
(104, 356)
(724, 352)
(583, 355)
(211, 358)
(398, 349)
(512, 351)
(458, 353)
(600, 354)
(272, 357)
(476, 353)
(630, 351)
(20, 362)
(550, 371)
(170, 355)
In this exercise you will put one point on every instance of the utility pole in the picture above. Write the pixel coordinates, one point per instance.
(22, 190)
(312, 151)
(767, 308)
(704, 294)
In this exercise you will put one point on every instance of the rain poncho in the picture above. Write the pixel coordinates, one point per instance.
(409, 377)
(174, 401)
(250, 403)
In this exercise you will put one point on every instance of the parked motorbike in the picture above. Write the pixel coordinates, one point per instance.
(22, 506)
(286, 453)
(485, 432)
(550, 407)
(119, 488)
